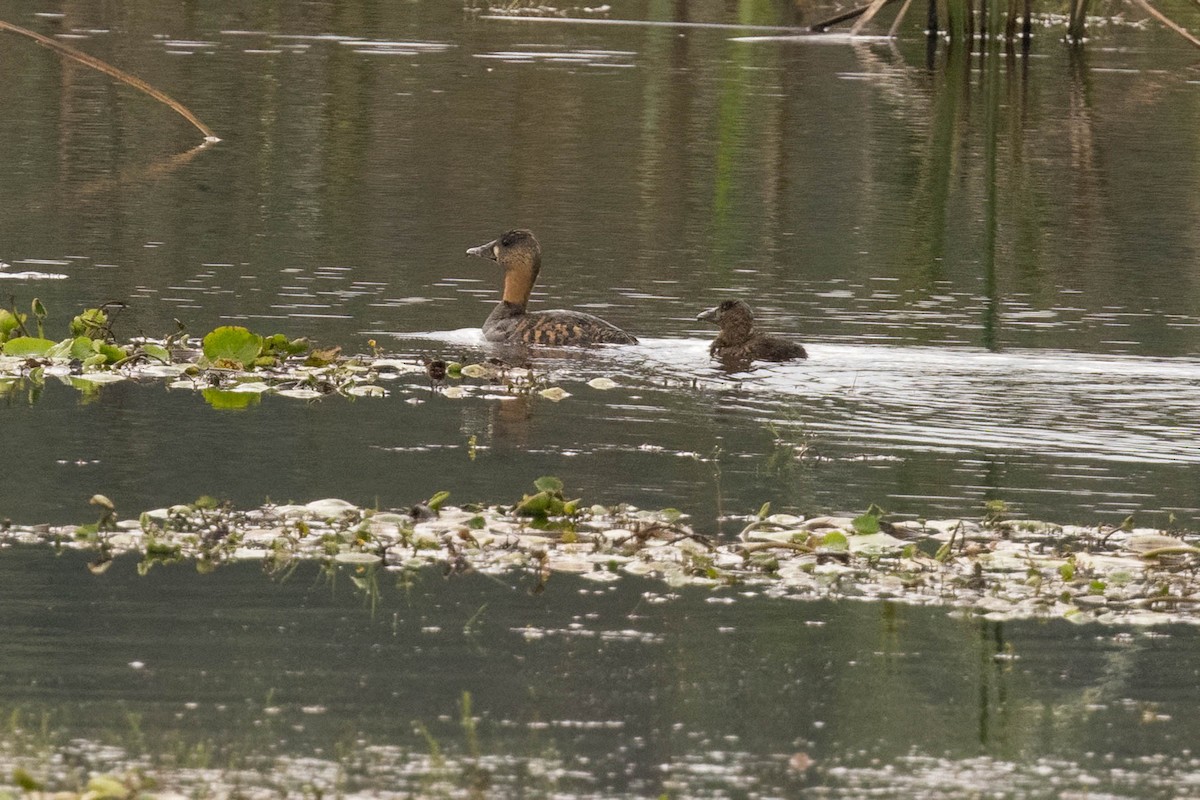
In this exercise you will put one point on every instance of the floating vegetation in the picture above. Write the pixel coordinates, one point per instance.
(994, 567)
(231, 365)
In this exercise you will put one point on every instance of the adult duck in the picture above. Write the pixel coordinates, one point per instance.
(519, 253)
(738, 339)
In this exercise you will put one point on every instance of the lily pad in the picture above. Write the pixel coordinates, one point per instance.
(231, 347)
(28, 347)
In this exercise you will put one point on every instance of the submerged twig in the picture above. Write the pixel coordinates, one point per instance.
(109, 69)
(867, 16)
(899, 18)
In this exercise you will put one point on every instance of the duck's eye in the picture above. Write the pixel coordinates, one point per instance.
(509, 239)
(728, 304)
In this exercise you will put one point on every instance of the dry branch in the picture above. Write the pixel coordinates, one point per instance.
(1158, 15)
(109, 69)
(818, 27)
(899, 18)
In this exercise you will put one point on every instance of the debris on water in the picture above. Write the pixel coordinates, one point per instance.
(994, 568)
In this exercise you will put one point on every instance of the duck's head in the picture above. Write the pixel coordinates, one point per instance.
(515, 250)
(728, 314)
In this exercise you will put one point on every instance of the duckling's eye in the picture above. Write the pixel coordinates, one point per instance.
(728, 304)
(509, 239)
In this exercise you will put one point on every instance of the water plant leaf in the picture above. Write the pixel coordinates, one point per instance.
(603, 384)
(535, 505)
(279, 344)
(63, 349)
(231, 347)
(866, 525)
(25, 781)
(104, 787)
(28, 347)
(157, 351)
(835, 540)
(112, 354)
(9, 322)
(473, 371)
(81, 348)
(319, 357)
(548, 483)
(435, 503)
(92, 323)
(554, 393)
(39, 312)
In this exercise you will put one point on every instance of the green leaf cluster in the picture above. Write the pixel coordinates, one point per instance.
(92, 323)
(10, 323)
(548, 501)
(235, 347)
(89, 341)
(868, 523)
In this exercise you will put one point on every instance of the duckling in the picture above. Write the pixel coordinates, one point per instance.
(519, 253)
(739, 341)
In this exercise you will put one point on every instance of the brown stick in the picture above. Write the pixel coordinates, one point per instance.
(899, 18)
(818, 27)
(109, 69)
(867, 16)
(1158, 15)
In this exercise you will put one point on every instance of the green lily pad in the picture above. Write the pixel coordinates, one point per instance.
(231, 346)
(157, 351)
(28, 347)
(835, 540)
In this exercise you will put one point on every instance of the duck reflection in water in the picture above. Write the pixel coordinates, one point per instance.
(519, 253)
(739, 343)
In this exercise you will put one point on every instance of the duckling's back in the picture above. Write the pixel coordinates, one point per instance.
(774, 348)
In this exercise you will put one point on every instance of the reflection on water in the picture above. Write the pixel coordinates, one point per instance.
(356, 681)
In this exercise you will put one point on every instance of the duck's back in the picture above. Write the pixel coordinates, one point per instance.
(760, 347)
(559, 327)
(773, 348)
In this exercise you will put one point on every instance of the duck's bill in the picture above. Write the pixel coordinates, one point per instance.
(484, 250)
(708, 316)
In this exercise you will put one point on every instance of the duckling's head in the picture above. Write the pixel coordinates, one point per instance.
(515, 250)
(730, 313)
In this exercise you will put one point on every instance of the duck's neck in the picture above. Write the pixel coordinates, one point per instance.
(518, 283)
(735, 332)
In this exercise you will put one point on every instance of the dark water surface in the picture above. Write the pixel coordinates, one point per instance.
(585, 690)
(994, 263)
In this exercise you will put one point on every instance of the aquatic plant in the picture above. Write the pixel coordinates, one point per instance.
(996, 568)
